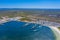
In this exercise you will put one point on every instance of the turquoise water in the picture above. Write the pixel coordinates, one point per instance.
(15, 30)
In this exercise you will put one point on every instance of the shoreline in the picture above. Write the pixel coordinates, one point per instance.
(55, 31)
(53, 28)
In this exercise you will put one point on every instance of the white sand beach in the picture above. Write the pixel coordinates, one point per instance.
(56, 32)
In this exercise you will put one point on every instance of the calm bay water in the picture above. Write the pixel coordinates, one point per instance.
(15, 30)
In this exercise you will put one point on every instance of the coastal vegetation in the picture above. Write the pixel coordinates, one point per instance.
(59, 28)
(25, 19)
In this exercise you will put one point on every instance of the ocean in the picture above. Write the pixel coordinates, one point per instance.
(17, 30)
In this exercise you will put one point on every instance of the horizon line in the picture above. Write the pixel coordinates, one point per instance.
(29, 8)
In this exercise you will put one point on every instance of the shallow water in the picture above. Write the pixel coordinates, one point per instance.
(15, 30)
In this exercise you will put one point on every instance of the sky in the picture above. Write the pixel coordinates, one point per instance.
(55, 4)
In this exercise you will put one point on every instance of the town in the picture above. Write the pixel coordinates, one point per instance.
(33, 20)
